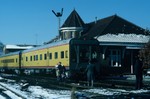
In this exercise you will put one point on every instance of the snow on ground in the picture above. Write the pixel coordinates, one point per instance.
(1, 97)
(132, 77)
(38, 92)
(43, 93)
(35, 92)
(12, 95)
(111, 92)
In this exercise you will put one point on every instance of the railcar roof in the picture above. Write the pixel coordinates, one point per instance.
(62, 42)
(10, 54)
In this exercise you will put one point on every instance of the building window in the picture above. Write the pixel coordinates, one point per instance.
(115, 58)
(50, 55)
(56, 55)
(62, 54)
(71, 34)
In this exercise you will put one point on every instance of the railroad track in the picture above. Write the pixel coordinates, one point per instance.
(5, 92)
(46, 82)
(49, 82)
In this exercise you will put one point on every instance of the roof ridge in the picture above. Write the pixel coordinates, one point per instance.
(113, 17)
(77, 15)
(103, 19)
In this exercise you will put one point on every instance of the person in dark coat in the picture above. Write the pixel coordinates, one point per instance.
(138, 73)
(59, 71)
(90, 73)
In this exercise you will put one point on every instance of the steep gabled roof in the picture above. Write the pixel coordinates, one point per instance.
(98, 27)
(73, 20)
(113, 25)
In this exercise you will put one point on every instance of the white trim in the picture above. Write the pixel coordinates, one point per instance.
(133, 47)
(71, 28)
(122, 44)
(127, 45)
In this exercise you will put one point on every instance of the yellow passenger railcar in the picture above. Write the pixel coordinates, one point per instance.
(47, 56)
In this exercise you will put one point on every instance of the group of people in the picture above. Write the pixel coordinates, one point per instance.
(60, 72)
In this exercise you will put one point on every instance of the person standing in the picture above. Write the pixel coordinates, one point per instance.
(90, 73)
(138, 73)
(58, 71)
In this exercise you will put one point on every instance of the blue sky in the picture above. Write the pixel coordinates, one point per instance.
(32, 21)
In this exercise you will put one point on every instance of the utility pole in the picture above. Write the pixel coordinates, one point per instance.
(58, 15)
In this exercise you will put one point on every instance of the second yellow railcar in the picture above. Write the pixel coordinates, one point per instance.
(74, 54)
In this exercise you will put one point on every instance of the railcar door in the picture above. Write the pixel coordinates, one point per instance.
(80, 53)
(20, 63)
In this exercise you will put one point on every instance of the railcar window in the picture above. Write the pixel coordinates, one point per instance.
(50, 55)
(40, 56)
(66, 54)
(84, 54)
(94, 54)
(56, 55)
(16, 60)
(26, 58)
(8, 61)
(87, 53)
(36, 57)
(45, 56)
(62, 54)
(30, 58)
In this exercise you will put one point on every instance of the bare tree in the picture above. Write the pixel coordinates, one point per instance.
(145, 55)
(147, 31)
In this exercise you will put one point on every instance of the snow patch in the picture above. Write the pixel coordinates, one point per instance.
(1, 97)
(12, 95)
(103, 92)
(110, 92)
(132, 38)
(48, 93)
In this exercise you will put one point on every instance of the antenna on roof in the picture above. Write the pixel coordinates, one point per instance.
(58, 15)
